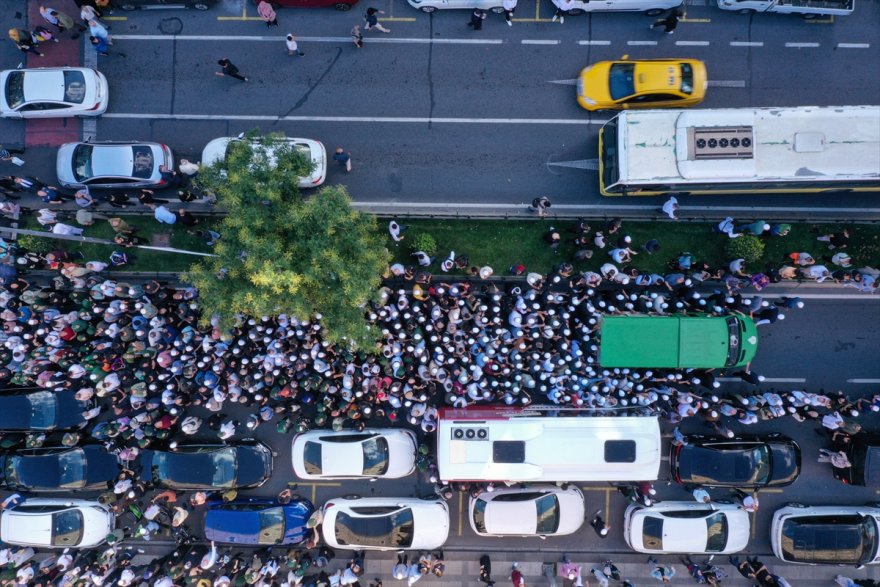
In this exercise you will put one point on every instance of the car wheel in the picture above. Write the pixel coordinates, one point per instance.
(575, 12)
(200, 6)
(428, 9)
(654, 12)
(351, 496)
(497, 9)
(342, 6)
(746, 11)
(127, 6)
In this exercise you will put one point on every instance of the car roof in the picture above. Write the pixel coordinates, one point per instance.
(511, 517)
(112, 160)
(657, 76)
(41, 85)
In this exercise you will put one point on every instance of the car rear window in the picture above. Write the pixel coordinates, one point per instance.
(652, 533)
(143, 163)
(621, 80)
(67, 528)
(312, 458)
(14, 89)
(716, 532)
(74, 87)
(82, 162)
(687, 79)
(375, 456)
(548, 514)
(393, 530)
(271, 526)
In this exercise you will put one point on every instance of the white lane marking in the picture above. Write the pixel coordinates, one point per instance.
(853, 45)
(308, 39)
(539, 42)
(636, 43)
(727, 83)
(863, 380)
(251, 117)
(582, 164)
(802, 45)
(767, 380)
(746, 44)
(564, 82)
(692, 43)
(594, 42)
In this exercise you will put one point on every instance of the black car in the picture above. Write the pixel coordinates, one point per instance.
(208, 466)
(42, 410)
(155, 4)
(826, 535)
(863, 452)
(748, 463)
(60, 468)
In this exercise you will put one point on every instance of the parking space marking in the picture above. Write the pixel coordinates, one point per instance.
(594, 42)
(692, 43)
(315, 486)
(638, 43)
(802, 45)
(540, 42)
(460, 508)
(727, 83)
(853, 45)
(746, 44)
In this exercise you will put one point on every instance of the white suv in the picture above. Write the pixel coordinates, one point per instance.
(56, 523)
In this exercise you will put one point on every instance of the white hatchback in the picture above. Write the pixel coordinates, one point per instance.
(53, 92)
(532, 511)
(387, 453)
(385, 523)
(57, 523)
(216, 151)
(687, 527)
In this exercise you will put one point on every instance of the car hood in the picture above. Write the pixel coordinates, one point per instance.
(786, 464)
(594, 81)
(254, 464)
(230, 526)
(97, 524)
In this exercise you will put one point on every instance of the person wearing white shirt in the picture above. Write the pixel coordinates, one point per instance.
(509, 7)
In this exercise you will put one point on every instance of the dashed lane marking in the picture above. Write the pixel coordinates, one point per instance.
(639, 43)
(727, 83)
(746, 44)
(540, 42)
(802, 45)
(692, 43)
(594, 43)
(564, 82)
(853, 45)
(863, 380)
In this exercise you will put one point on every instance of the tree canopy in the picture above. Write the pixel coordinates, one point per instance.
(280, 253)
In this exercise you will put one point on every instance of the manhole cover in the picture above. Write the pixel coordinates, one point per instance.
(161, 240)
(171, 26)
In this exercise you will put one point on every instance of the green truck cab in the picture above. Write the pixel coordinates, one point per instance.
(690, 342)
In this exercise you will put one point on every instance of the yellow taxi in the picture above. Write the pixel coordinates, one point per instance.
(643, 83)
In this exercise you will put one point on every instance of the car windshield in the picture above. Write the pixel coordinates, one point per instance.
(621, 80)
(395, 529)
(312, 458)
(830, 539)
(142, 161)
(548, 514)
(734, 335)
(67, 528)
(15, 89)
(43, 407)
(375, 456)
(271, 526)
(82, 162)
(687, 79)
(716, 532)
(74, 86)
(480, 515)
(215, 469)
(652, 533)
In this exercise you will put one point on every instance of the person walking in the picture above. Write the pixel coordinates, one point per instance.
(509, 7)
(343, 157)
(96, 29)
(59, 20)
(599, 525)
(267, 13)
(371, 19)
(540, 205)
(516, 576)
(292, 45)
(670, 208)
(23, 41)
(562, 8)
(669, 23)
(357, 36)
(229, 68)
(477, 18)
(101, 45)
(485, 575)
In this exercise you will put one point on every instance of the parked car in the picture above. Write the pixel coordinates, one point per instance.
(747, 463)
(218, 149)
(650, 7)
(863, 453)
(387, 453)
(208, 466)
(42, 410)
(686, 527)
(57, 523)
(542, 510)
(342, 5)
(643, 83)
(157, 4)
(432, 5)
(806, 8)
(112, 164)
(258, 522)
(385, 523)
(59, 468)
(53, 92)
(826, 535)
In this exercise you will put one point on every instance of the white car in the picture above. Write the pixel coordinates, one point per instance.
(53, 92)
(687, 527)
(432, 5)
(387, 453)
(827, 535)
(216, 150)
(57, 523)
(533, 511)
(385, 523)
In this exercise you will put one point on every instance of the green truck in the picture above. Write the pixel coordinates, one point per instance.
(698, 342)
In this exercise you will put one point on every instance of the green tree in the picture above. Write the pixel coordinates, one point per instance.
(282, 254)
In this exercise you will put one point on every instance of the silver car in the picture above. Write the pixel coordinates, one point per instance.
(113, 165)
(53, 92)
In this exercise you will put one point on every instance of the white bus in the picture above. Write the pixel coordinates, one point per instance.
(740, 150)
(522, 444)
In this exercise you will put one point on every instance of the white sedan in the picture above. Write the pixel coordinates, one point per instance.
(216, 151)
(385, 523)
(533, 511)
(687, 527)
(388, 453)
(432, 5)
(56, 523)
(53, 92)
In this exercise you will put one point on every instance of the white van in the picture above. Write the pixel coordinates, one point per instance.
(649, 7)
(807, 8)
(496, 443)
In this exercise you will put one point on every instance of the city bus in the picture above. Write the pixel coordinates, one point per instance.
(499, 443)
(740, 150)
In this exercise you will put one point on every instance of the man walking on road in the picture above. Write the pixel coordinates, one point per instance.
(509, 7)
(373, 21)
(477, 18)
(357, 36)
(292, 45)
(229, 68)
(669, 23)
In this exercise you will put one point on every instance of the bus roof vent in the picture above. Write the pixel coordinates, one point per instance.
(718, 142)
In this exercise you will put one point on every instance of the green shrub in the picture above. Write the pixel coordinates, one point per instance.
(35, 244)
(747, 247)
(424, 242)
